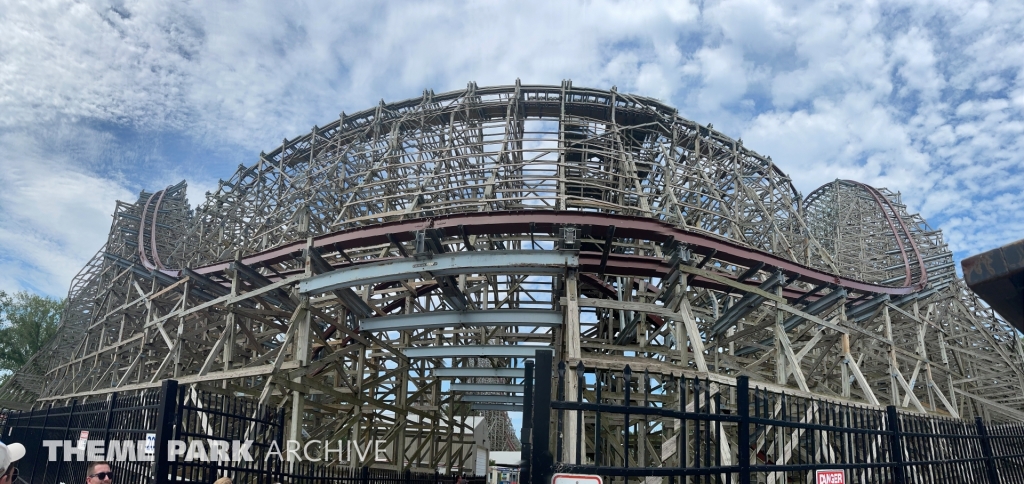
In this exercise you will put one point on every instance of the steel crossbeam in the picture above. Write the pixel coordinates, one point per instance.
(522, 262)
(485, 387)
(455, 319)
(482, 351)
(478, 372)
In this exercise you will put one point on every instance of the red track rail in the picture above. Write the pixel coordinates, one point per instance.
(548, 222)
(890, 213)
(155, 263)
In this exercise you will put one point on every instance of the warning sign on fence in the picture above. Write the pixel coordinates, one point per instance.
(830, 477)
(575, 479)
(150, 444)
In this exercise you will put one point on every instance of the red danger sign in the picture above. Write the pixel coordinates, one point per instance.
(829, 477)
(575, 479)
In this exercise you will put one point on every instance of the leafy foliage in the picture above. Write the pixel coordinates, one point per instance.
(27, 322)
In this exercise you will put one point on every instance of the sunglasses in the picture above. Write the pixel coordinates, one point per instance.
(103, 475)
(14, 475)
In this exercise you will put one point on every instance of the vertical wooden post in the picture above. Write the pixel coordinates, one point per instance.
(572, 354)
(845, 366)
(894, 387)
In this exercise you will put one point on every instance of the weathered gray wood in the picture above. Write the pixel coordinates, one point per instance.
(395, 203)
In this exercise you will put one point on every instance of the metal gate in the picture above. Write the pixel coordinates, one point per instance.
(641, 427)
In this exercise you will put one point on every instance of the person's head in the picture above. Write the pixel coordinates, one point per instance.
(223, 480)
(9, 454)
(99, 473)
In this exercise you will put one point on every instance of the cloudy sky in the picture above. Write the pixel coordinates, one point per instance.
(99, 100)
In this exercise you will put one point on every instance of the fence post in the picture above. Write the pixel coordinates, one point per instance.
(986, 448)
(67, 430)
(164, 429)
(895, 445)
(110, 420)
(542, 461)
(526, 440)
(743, 433)
(42, 436)
(280, 444)
(408, 475)
(364, 475)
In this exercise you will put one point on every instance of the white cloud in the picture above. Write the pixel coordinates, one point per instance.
(926, 98)
(84, 60)
(916, 64)
(52, 218)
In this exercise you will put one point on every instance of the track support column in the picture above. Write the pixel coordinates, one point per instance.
(571, 356)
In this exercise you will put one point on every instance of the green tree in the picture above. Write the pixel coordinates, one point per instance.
(27, 322)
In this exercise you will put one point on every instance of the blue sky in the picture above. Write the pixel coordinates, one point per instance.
(99, 100)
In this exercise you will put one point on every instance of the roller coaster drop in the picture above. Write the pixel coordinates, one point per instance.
(383, 275)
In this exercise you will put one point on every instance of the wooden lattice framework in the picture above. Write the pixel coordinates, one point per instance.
(336, 275)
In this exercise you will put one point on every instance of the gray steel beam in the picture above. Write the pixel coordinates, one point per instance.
(448, 319)
(492, 398)
(816, 307)
(506, 262)
(746, 304)
(500, 351)
(496, 406)
(813, 309)
(479, 373)
(486, 387)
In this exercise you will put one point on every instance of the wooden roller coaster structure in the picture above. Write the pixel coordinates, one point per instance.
(386, 275)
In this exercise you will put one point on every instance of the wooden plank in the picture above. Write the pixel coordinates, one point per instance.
(731, 283)
(214, 376)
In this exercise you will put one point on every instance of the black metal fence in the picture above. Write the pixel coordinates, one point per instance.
(119, 418)
(641, 428)
(198, 416)
(179, 416)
